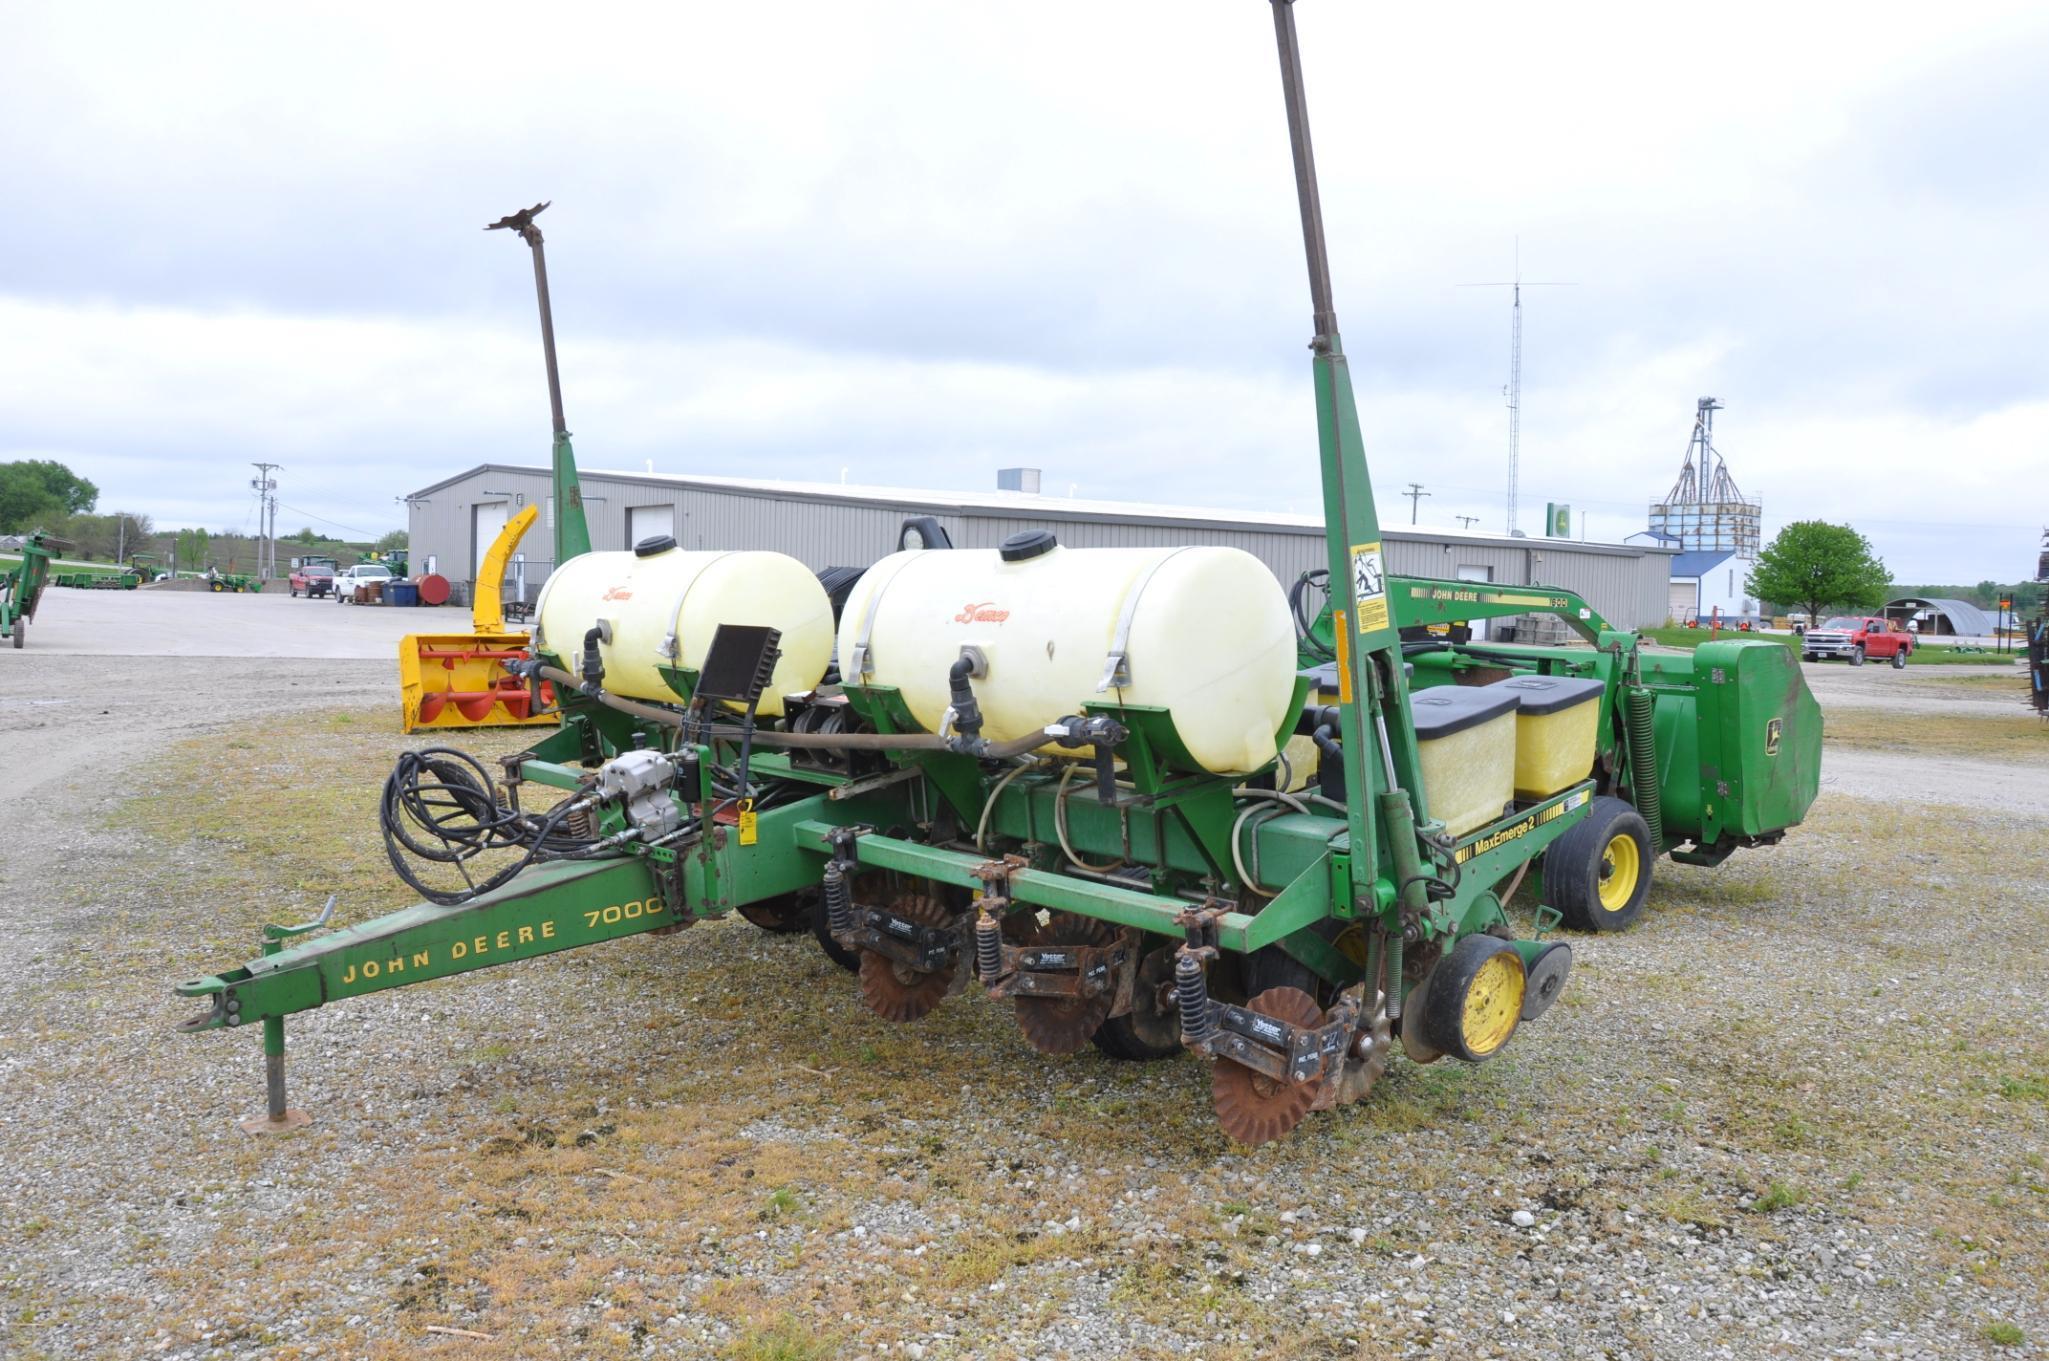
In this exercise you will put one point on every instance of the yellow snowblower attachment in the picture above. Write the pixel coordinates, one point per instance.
(458, 680)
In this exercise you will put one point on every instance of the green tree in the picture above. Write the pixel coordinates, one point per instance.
(192, 549)
(40, 488)
(392, 541)
(1819, 566)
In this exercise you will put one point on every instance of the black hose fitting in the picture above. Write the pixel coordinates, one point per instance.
(967, 711)
(593, 664)
(1191, 992)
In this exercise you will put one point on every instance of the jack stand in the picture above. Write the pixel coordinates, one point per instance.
(277, 1117)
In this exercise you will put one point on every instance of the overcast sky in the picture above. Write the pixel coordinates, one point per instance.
(912, 243)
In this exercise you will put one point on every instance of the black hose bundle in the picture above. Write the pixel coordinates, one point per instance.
(1316, 579)
(440, 805)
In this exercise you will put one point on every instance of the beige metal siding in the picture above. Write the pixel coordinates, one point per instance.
(1627, 585)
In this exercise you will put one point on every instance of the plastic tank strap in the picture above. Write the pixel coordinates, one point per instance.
(1117, 666)
(862, 661)
(670, 649)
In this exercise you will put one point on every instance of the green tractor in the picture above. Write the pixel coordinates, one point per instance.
(21, 587)
(1095, 782)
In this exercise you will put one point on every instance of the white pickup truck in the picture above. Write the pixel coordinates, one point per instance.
(349, 578)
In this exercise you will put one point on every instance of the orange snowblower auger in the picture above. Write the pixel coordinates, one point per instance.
(458, 680)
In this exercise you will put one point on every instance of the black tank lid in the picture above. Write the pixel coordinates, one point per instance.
(647, 548)
(1028, 543)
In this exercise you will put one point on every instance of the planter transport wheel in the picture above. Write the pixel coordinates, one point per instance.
(1253, 1108)
(1476, 998)
(898, 992)
(1598, 874)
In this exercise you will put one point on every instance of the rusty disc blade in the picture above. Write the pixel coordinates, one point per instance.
(897, 992)
(1253, 1108)
(1063, 1025)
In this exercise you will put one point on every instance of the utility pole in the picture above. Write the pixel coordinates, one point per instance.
(1582, 526)
(266, 517)
(1467, 521)
(1415, 493)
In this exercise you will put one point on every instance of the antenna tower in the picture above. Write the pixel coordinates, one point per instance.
(1514, 391)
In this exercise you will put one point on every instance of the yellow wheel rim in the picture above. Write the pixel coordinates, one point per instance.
(1494, 1003)
(1621, 865)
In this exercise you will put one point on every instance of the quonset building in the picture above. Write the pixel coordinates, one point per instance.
(454, 521)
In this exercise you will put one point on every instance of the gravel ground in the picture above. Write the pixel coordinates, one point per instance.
(1803, 1110)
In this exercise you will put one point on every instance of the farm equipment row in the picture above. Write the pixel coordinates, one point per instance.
(1124, 791)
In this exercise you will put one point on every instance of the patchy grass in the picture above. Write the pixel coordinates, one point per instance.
(2003, 1334)
(702, 1145)
(2019, 736)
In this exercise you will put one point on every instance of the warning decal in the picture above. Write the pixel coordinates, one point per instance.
(1369, 587)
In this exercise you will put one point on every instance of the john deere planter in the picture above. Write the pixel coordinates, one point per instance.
(21, 588)
(1099, 783)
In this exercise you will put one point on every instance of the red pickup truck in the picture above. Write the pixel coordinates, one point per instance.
(312, 577)
(1856, 638)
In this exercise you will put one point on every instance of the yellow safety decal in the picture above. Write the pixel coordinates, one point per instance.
(1337, 619)
(1369, 586)
(748, 830)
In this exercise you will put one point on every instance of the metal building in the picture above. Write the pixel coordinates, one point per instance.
(453, 522)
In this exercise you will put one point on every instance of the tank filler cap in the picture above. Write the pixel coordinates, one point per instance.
(647, 548)
(1027, 544)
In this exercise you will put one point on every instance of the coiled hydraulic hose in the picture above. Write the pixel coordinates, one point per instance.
(1643, 765)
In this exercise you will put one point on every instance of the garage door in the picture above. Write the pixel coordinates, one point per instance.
(1684, 596)
(649, 522)
(488, 517)
(1467, 573)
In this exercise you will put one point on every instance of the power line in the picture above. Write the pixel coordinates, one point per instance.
(332, 524)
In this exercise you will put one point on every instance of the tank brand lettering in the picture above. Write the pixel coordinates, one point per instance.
(981, 612)
(510, 939)
(617, 593)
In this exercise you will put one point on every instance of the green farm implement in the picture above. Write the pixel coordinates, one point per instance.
(21, 588)
(236, 582)
(1099, 783)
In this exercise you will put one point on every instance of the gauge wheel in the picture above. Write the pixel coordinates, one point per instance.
(1475, 999)
(1599, 873)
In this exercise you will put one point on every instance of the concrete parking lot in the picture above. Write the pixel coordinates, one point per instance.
(152, 622)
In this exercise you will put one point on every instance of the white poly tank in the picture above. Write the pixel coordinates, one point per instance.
(664, 609)
(1204, 633)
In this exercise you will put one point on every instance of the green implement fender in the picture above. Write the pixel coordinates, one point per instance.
(1738, 740)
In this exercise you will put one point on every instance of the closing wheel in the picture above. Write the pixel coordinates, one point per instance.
(1064, 1025)
(850, 960)
(1253, 1108)
(783, 915)
(1475, 1000)
(1546, 979)
(896, 991)
(1598, 874)
(1152, 1028)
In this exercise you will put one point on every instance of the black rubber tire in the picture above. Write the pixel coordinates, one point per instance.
(1857, 656)
(294, 592)
(1444, 1007)
(786, 914)
(216, 587)
(1809, 657)
(1132, 1038)
(20, 630)
(1899, 660)
(1573, 868)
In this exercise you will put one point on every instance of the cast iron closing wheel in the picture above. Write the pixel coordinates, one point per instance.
(1152, 1028)
(850, 960)
(1253, 1108)
(1063, 1025)
(897, 992)
(1598, 874)
(1476, 998)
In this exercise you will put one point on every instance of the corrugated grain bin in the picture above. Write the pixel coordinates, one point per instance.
(1465, 736)
(1556, 719)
